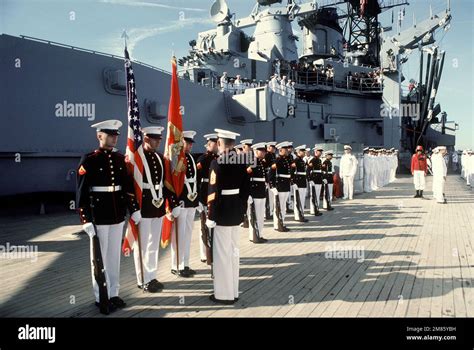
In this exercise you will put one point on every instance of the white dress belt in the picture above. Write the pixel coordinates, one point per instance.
(230, 192)
(204, 180)
(106, 188)
(300, 173)
(284, 176)
(257, 179)
(147, 186)
(317, 171)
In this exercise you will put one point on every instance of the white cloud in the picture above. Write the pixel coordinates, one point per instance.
(113, 44)
(150, 4)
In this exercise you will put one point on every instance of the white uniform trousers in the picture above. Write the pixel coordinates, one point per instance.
(150, 235)
(259, 213)
(283, 198)
(325, 204)
(348, 182)
(185, 230)
(226, 260)
(110, 239)
(438, 188)
(271, 201)
(202, 246)
(317, 187)
(419, 180)
(302, 194)
(367, 182)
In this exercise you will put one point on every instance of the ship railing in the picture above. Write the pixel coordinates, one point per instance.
(92, 51)
(351, 83)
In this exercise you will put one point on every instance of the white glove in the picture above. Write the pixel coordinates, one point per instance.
(250, 200)
(210, 223)
(89, 229)
(274, 191)
(176, 211)
(294, 187)
(312, 183)
(325, 181)
(136, 217)
(200, 208)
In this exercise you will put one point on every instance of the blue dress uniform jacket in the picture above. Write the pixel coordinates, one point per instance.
(203, 165)
(314, 170)
(148, 209)
(327, 171)
(280, 177)
(191, 171)
(257, 179)
(298, 173)
(103, 175)
(227, 210)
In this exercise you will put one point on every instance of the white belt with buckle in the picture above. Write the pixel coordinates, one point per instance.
(230, 192)
(106, 188)
(257, 179)
(300, 173)
(317, 171)
(147, 186)
(205, 180)
(284, 176)
(329, 172)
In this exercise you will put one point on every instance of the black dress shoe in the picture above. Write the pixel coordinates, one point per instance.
(189, 271)
(302, 220)
(330, 208)
(263, 240)
(219, 301)
(118, 302)
(153, 286)
(110, 309)
(181, 273)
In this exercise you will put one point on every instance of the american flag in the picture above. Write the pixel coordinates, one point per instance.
(134, 153)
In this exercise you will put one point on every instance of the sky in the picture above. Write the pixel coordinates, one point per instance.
(157, 28)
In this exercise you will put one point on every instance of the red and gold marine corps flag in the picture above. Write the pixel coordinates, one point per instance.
(175, 159)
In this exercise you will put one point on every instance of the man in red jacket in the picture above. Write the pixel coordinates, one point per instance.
(419, 169)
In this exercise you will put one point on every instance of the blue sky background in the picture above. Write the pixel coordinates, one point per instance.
(158, 27)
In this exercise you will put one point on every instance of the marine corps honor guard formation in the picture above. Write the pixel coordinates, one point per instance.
(228, 185)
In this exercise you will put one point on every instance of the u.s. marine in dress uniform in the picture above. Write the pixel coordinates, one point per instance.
(328, 179)
(104, 194)
(189, 202)
(256, 203)
(226, 203)
(298, 177)
(315, 177)
(154, 194)
(203, 165)
(270, 158)
(280, 185)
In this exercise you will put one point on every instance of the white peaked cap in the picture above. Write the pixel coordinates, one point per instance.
(347, 147)
(107, 125)
(260, 145)
(272, 143)
(153, 130)
(302, 147)
(225, 134)
(283, 145)
(189, 134)
(211, 137)
(248, 142)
